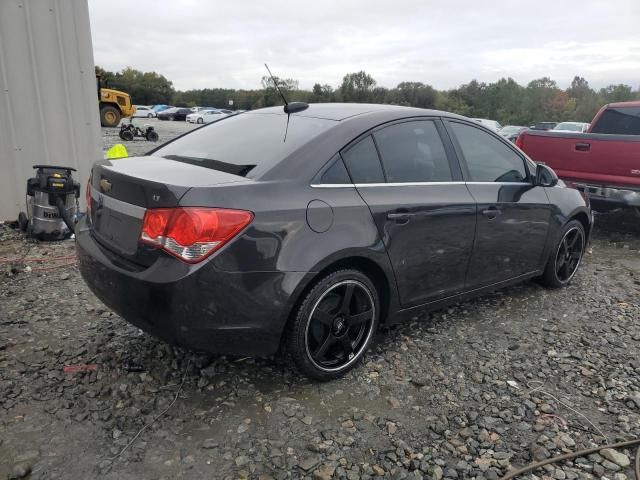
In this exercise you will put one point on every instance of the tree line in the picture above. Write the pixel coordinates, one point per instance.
(504, 100)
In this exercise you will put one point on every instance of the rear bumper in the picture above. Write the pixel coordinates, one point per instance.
(194, 306)
(621, 196)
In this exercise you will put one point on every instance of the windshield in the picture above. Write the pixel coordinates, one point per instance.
(254, 142)
(510, 129)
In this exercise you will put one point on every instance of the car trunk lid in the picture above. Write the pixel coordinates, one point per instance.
(122, 190)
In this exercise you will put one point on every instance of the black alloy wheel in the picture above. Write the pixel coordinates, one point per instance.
(334, 325)
(566, 257)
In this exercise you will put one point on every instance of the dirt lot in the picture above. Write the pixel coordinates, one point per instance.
(466, 392)
(166, 131)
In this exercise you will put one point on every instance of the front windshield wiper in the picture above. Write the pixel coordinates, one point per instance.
(240, 170)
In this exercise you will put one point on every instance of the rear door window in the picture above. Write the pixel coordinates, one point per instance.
(619, 121)
(487, 158)
(363, 162)
(413, 152)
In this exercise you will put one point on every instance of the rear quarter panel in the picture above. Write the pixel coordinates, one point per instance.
(280, 238)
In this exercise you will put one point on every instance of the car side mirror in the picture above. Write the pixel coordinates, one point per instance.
(545, 176)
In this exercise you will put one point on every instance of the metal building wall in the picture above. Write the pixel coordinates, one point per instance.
(48, 98)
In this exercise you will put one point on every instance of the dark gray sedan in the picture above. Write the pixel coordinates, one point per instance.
(309, 230)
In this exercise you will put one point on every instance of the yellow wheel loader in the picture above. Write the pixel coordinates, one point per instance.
(114, 105)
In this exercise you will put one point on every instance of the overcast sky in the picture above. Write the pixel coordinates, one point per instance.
(200, 44)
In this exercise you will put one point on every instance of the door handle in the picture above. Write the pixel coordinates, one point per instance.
(491, 212)
(583, 147)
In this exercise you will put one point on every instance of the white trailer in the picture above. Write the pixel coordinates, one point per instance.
(48, 97)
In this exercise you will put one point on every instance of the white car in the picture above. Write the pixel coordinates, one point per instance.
(206, 116)
(142, 111)
(200, 109)
(490, 124)
(577, 127)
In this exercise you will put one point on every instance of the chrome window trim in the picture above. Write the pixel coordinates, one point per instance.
(117, 205)
(406, 184)
(410, 184)
(332, 185)
(498, 183)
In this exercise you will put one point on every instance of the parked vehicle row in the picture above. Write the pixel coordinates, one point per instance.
(543, 126)
(512, 132)
(206, 116)
(579, 127)
(197, 114)
(143, 111)
(311, 227)
(175, 113)
(492, 125)
(604, 161)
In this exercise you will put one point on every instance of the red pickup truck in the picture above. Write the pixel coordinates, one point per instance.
(604, 162)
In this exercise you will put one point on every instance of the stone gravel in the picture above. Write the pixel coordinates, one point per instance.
(467, 392)
(167, 130)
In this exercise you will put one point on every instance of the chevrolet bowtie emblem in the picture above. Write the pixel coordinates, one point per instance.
(105, 185)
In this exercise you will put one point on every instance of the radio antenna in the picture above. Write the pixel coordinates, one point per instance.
(277, 87)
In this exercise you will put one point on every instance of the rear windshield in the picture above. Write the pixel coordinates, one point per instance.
(619, 121)
(248, 144)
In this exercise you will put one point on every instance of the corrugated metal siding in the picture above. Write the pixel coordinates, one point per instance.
(48, 100)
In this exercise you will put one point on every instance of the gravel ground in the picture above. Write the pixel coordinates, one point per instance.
(139, 145)
(471, 391)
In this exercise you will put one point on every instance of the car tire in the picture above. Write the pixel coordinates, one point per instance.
(126, 135)
(334, 325)
(152, 136)
(172, 118)
(565, 257)
(150, 115)
(200, 120)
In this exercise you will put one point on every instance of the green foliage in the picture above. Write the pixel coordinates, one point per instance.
(617, 93)
(504, 100)
(358, 87)
(145, 88)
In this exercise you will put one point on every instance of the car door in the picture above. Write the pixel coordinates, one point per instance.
(410, 179)
(513, 214)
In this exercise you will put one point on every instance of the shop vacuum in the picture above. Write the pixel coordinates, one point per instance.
(52, 203)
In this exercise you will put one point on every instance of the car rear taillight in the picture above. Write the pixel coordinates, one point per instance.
(520, 141)
(192, 233)
(87, 197)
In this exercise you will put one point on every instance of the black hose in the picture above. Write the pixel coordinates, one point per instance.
(579, 453)
(64, 214)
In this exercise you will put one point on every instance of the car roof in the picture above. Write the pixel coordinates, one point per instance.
(624, 104)
(343, 111)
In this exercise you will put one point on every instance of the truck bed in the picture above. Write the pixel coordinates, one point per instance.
(607, 166)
